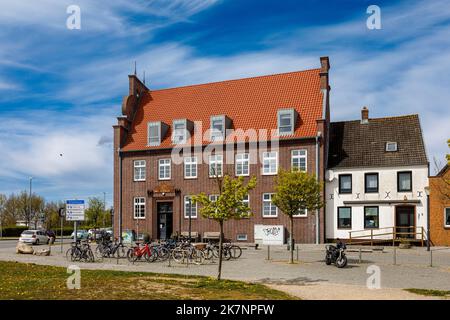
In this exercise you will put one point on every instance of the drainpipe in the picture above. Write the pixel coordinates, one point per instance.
(319, 134)
(120, 197)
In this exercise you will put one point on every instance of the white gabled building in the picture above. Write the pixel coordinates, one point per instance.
(376, 180)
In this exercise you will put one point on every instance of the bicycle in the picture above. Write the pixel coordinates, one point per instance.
(137, 253)
(110, 249)
(80, 252)
(187, 252)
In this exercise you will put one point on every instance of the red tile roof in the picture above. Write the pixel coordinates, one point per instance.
(251, 103)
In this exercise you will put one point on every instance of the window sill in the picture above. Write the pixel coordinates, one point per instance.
(187, 218)
(296, 217)
(345, 192)
(139, 218)
(190, 178)
(268, 174)
(139, 180)
(165, 179)
(346, 228)
(270, 217)
(242, 175)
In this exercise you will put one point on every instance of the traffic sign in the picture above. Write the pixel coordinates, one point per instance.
(75, 210)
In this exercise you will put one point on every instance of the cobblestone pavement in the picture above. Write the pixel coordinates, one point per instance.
(412, 269)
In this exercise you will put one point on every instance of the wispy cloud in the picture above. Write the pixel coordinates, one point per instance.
(114, 15)
(406, 78)
(397, 70)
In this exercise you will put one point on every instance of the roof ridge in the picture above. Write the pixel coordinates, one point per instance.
(232, 80)
(381, 118)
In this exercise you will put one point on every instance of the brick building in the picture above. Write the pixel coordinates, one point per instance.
(440, 208)
(170, 143)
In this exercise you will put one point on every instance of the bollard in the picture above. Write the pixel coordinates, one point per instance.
(187, 259)
(431, 258)
(268, 252)
(395, 256)
(297, 252)
(360, 256)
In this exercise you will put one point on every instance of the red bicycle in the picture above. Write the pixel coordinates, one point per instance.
(138, 252)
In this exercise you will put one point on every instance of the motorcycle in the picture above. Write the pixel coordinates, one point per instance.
(336, 255)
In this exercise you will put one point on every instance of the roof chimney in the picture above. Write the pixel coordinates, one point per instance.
(364, 115)
(324, 67)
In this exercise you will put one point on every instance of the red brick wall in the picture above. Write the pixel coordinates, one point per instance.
(304, 228)
(439, 234)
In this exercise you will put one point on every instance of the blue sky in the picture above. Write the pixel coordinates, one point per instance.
(61, 89)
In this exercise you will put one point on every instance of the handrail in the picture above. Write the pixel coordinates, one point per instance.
(395, 234)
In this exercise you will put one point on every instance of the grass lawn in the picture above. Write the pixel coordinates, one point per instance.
(31, 281)
(427, 292)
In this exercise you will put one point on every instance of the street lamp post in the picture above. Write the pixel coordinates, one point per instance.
(29, 208)
(427, 192)
(104, 208)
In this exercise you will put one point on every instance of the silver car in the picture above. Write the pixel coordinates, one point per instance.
(34, 237)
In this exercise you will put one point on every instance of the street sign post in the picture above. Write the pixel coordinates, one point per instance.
(75, 212)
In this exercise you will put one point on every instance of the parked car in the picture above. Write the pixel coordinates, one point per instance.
(34, 237)
(109, 231)
(81, 235)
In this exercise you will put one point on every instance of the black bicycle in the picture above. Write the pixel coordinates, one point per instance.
(80, 251)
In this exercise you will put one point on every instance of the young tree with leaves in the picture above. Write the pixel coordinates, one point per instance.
(294, 191)
(95, 210)
(228, 205)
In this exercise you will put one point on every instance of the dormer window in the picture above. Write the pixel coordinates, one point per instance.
(391, 146)
(217, 128)
(286, 121)
(179, 131)
(156, 132)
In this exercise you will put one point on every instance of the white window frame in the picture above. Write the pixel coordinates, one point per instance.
(176, 132)
(391, 143)
(299, 156)
(190, 161)
(139, 202)
(217, 135)
(268, 157)
(242, 159)
(247, 200)
(301, 215)
(140, 165)
(186, 215)
(166, 163)
(214, 161)
(290, 113)
(445, 216)
(241, 237)
(271, 205)
(213, 196)
(154, 124)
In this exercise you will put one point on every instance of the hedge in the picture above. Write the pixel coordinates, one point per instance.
(13, 231)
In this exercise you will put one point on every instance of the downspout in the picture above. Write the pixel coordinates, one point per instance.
(319, 134)
(120, 197)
